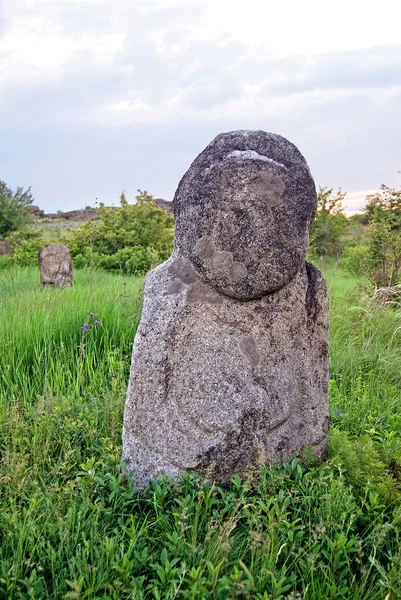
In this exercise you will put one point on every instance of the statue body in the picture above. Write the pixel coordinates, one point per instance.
(230, 360)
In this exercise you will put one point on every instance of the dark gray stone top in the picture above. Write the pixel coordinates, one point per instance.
(243, 211)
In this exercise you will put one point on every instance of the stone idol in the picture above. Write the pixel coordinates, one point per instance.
(230, 360)
(55, 265)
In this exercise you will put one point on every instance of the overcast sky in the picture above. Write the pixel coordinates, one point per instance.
(97, 96)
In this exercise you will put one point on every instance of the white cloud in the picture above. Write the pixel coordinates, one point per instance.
(354, 202)
(169, 75)
(293, 27)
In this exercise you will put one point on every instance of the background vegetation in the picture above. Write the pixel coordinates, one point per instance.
(135, 237)
(13, 215)
(369, 243)
(130, 239)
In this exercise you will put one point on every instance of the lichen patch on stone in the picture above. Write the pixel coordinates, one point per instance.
(248, 347)
(205, 247)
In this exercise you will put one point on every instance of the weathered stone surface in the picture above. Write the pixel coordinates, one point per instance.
(55, 265)
(230, 360)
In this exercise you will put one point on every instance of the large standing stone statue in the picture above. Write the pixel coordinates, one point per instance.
(55, 265)
(230, 361)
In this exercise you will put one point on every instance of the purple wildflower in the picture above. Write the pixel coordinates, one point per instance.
(84, 327)
(97, 324)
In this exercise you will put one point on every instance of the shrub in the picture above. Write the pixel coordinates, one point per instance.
(25, 246)
(384, 253)
(383, 260)
(354, 259)
(13, 213)
(131, 238)
(326, 232)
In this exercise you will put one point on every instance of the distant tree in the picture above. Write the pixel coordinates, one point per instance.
(385, 206)
(383, 264)
(358, 219)
(373, 202)
(13, 213)
(326, 233)
(143, 198)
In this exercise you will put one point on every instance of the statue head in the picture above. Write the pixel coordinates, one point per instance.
(243, 211)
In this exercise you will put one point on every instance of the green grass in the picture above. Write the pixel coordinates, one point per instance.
(42, 348)
(52, 229)
(71, 526)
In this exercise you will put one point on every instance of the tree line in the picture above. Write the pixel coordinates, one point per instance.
(136, 237)
(368, 243)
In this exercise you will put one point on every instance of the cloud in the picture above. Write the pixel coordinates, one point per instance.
(366, 68)
(98, 96)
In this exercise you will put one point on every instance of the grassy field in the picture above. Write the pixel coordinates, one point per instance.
(52, 229)
(71, 526)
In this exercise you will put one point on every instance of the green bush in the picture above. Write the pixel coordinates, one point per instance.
(130, 260)
(13, 213)
(383, 264)
(354, 259)
(326, 232)
(131, 238)
(25, 246)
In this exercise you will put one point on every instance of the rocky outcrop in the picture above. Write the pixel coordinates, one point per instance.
(73, 215)
(165, 205)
